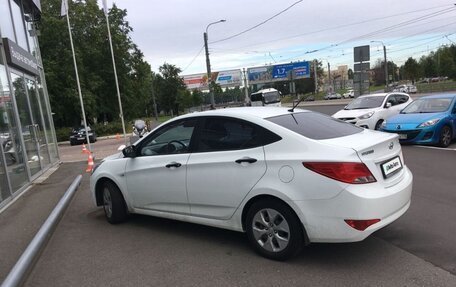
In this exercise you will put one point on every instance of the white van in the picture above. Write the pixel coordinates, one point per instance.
(266, 97)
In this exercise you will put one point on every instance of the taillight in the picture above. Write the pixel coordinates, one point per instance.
(349, 172)
(361, 225)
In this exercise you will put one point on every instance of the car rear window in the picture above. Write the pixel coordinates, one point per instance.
(315, 125)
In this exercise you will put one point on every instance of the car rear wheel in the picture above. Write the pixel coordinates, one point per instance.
(445, 136)
(113, 203)
(274, 230)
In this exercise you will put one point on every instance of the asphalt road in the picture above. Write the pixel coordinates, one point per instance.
(416, 250)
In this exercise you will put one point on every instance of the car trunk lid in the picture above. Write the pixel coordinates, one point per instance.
(379, 151)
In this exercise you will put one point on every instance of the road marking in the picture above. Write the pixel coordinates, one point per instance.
(439, 148)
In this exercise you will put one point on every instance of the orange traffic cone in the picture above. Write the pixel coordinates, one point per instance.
(117, 136)
(90, 163)
(84, 149)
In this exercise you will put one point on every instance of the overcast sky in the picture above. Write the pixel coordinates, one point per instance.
(172, 31)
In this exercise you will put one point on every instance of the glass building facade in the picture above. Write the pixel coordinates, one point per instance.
(27, 135)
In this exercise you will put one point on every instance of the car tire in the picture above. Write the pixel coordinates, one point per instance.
(114, 205)
(378, 125)
(446, 135)
(277, 238)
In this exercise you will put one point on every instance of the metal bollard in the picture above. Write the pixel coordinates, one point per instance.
(23, 266)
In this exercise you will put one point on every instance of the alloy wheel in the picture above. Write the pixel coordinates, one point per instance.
(446, 136)
(271, 230)
(107, 202)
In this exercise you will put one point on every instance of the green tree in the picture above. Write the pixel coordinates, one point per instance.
(93, 57)
(169, 85)
(411, 69)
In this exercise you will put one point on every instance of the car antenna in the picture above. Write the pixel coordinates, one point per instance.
(294, 106)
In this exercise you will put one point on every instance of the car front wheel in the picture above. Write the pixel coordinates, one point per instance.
(274, 230)
(113, 204)
(378, 125)
(445, 136)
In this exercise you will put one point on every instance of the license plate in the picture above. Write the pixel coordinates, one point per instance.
(80, 139)
(402, 136)
(391, 167)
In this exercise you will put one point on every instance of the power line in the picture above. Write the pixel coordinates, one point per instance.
(424, 17)
(344, 26)
(193, 60)
(257, 25)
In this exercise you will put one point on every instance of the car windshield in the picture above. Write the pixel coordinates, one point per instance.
(432, 105)
(365, 103)
(271, 97)
(315, 125)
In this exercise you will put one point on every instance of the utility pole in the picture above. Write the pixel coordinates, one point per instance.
(208, 67)
(329, 77)
(208, 63)
(315, 76)
(246, 88)
(386, 67)
(386, 63)
(153, 99)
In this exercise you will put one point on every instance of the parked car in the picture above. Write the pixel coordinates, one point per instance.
(349, 94)
(284, 176)
(78, 136)
(371, 110)
(428, 120)
(309, 98)
(411, 89)
(333, 96)
(401, 89)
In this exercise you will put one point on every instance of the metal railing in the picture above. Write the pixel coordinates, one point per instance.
(23, 266)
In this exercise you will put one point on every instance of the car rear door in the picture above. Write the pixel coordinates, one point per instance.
(227, 163)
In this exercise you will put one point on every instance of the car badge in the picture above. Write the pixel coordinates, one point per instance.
(398, 127)
(391, 145)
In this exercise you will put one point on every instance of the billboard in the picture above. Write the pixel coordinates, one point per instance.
(195, 81)
(229, 78)
(279, 72)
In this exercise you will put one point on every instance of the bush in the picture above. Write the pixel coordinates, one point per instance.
(63, 134)
(111, 128)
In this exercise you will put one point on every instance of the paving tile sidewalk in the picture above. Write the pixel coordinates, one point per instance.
(20, 221)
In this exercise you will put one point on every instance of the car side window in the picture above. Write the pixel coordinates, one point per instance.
(400, 99)
(171, 139)
(222, 134)
(391, 99)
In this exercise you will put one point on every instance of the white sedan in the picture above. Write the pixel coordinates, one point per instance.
(285, 177)
(371, 111)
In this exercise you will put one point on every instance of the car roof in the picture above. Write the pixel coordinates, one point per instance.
(265, 90)
(382, 94)
(440, 96)
(374, 95)
(257, 112)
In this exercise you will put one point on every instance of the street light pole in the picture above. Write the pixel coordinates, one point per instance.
(386, 63)
(208, 62)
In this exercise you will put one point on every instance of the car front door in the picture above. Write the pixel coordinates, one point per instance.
(227, 163)
(156, 177)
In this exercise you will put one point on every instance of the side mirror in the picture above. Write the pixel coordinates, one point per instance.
(129, 151)
(388, 105)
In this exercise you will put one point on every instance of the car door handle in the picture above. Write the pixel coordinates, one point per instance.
(173, 164)
(246, 159)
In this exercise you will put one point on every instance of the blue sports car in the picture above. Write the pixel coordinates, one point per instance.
(427, 120)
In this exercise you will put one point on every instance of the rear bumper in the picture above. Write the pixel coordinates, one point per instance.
(324, 219)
